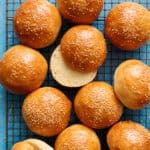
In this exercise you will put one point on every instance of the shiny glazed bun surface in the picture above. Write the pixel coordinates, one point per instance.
(80, 11)
(46, 111)
(83, 48)
(22, 69)
(132, 84)
(97, 106)
(127, 25)
(31, 144)
(127, 135)
(77, 137)
(37, 23)
(22, 146)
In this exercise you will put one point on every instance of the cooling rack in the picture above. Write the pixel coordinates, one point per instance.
(16, 129)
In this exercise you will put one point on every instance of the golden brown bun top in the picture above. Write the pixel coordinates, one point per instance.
(22, 69)
(77, 137)
(128, 25)
(97, 106)
(37, 23)
(22, 146)
(31, 144)
(128, 135)
(46, 111)
(132, 83)
(83, 48)
(80, 11)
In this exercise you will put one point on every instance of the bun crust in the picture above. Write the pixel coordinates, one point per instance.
(22, 69)
(31, 144)
(65, 75)
(22, 146)
(77, 137)
(83, 48)
(46, 111)
(97, 106)
(128, 135)
(132, 84)
(127, 25)
(80, 11)
(37, 23)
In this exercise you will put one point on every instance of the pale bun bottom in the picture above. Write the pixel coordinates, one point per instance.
(32, 144)
(65, 75)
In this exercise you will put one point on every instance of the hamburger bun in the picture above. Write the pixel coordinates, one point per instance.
(31, 144)
(65, 75)
(77, 137)
(127, 25)
(127, 135)
(83, 48)
(22, 69)
(37, 23)
(97, 106)
(132, 84)
(80, 11)
(46, 111)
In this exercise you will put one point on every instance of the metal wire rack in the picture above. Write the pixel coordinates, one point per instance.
(16, 129)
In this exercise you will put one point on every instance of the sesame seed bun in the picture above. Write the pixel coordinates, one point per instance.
(65, 75)
(31, 144)
(83, 48)
(97, 106)
(77, 137)
(127, 135)
(22, 69)
(80, 11)
(132, 84)
(46, 111)
(37, 23)
(127, 25)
